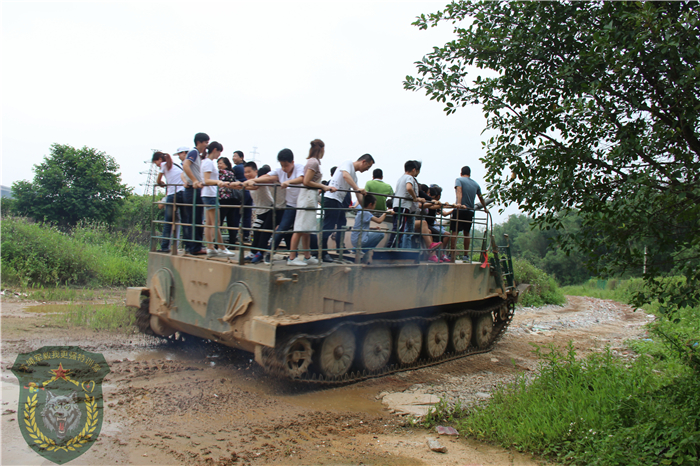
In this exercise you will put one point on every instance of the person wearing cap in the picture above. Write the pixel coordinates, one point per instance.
(194, 181)
(174, 191)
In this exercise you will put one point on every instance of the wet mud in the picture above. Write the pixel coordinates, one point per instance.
(196, 402)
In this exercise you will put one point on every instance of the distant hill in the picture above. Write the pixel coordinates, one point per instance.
(5, 191)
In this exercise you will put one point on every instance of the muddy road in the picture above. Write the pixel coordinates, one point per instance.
(200, 403)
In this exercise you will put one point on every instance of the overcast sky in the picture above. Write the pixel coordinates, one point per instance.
(128, 77)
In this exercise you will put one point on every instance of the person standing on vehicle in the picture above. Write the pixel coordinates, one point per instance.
(289, 173)
(194, 182)
(305, 221)
(406, 204)
(174, 192)
(344, 179)
(378, 186)
(239, 171)
(466, 190)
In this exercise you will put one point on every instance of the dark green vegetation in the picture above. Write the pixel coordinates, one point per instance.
(35, 255)
(541, 249)
(543, 288)
(71, 185)
(594, 106)
(595, 110)
(76, 224)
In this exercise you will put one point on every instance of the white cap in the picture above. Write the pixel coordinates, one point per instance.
(182, 149)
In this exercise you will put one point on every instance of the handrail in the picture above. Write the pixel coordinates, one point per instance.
(440, 219)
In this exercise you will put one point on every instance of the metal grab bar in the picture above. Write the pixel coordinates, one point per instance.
(273, 210)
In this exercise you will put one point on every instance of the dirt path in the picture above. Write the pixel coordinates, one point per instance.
(200, 403)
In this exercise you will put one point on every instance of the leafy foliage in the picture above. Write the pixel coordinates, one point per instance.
(540, 248)
(595, 109)
(72, 184)
(543, 288)
(133, 218)
(34, 254)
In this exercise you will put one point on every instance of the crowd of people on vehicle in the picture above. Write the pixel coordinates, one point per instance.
(206, 190)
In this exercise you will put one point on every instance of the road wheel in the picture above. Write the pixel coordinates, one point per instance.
(408, 343)
(337, 353)
(461, 334)
(482, 330)
(298, 358)
(436, 338)
(375, 350)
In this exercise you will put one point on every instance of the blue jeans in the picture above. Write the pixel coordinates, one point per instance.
(195, 239)
(333, 220)
(168, 227)
(371, 241)
(286, 224)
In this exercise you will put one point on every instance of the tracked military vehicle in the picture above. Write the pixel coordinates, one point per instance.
(335, 322)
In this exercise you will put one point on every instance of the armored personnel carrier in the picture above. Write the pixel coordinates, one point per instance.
(335, 322)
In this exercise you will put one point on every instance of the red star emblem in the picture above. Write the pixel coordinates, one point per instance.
(60, 373)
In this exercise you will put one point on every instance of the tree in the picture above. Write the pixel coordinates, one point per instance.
(595, 108)
(70, 185)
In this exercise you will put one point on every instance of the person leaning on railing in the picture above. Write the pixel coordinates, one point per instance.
(229, 199)
(263, 200)
(289, 173)
(305, 221)
(344, 179)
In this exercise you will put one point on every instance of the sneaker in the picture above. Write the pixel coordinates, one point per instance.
(267, 258)
(212, 252)
(257, 257)
(311, 261)
(445, 258)
(249, 257)
(327, 258)
(225, 253)
(296, 261)
(433, 258)
(434, 246)
(165, 251)
(199, 252)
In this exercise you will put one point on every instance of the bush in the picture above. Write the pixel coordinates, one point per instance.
(543, 288)
(596, 411)
(36, 254)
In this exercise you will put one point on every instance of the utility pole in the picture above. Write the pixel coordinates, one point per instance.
(254, 153)
(151, 175)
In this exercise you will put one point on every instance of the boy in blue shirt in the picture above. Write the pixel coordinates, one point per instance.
(368, 239)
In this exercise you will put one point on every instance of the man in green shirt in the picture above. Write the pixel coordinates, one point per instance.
(377, 186)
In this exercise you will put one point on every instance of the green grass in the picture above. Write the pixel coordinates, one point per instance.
(67, 294)
(594, 411)
(110, 317)
(618, 290)
(37, 255)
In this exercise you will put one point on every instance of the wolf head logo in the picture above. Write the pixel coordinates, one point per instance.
(61, 413)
